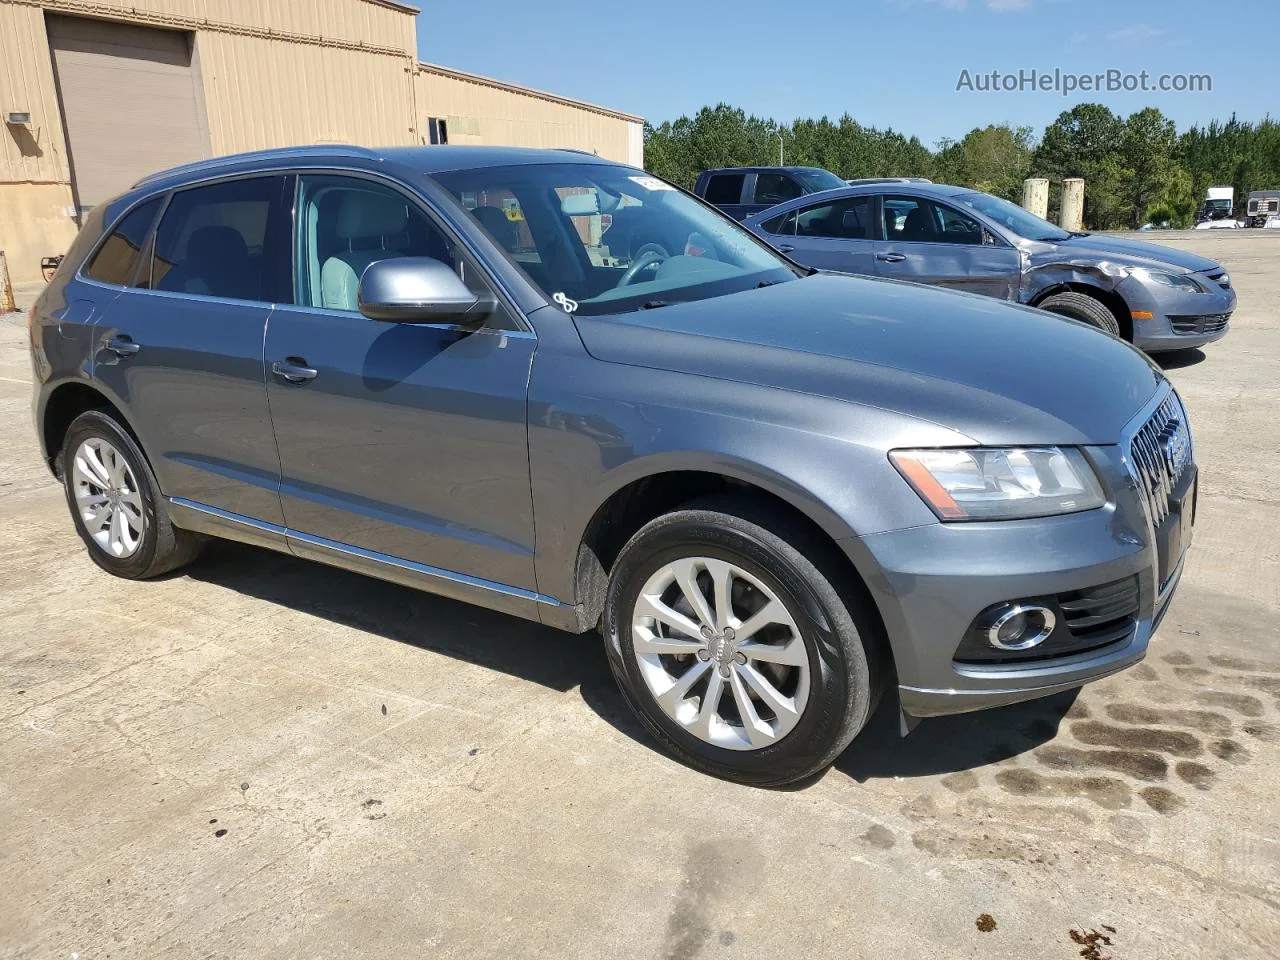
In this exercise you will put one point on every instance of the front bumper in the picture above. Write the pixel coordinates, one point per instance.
(932, 581)
(1178, 320)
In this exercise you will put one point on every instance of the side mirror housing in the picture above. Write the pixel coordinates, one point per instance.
(420, 290)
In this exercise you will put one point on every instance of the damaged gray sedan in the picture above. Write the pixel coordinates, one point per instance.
(1156, 297)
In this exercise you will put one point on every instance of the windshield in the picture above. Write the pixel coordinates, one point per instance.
(1012, 217)
(816, 179)
(597, 238)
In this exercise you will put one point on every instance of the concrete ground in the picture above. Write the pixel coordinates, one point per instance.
(263, 757)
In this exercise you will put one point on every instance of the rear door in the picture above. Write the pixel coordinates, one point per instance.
(181, 350)
(927, 241)
(836, 235)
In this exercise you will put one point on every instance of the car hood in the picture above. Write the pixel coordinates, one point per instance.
(1123, 252)
(996, 372)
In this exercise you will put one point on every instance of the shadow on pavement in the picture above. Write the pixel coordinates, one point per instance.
(1177, 359)
(563, 661)
(941, 745)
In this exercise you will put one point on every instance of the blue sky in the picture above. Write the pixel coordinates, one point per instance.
(887, 62)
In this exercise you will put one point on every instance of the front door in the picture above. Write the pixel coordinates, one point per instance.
(181, 349)
(930, 242)
(404, 441)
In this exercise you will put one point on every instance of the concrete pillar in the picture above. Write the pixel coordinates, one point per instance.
(6, 288)
(1072, 215)
(1035, 196)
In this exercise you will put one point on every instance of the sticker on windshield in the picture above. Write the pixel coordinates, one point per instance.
(569, 305)
(651, 183)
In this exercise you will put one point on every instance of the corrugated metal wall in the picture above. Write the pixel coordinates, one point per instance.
(36, 152)
(481, 112)
(263, 93)
(274, 72)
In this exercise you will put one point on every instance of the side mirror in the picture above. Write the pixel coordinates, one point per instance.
(420, 290)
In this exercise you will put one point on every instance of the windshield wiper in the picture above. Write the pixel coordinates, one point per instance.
(654, 304)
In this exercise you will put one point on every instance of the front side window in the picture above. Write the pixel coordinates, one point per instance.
(774, 188)
(347, 223)
(816, 179)
(917, 220)
(725, 188)
(597, 238)
(225, 240)
(852, 218)
(1013, 217)
(117, 259)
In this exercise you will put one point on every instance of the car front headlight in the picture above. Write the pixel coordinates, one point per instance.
(1010, 483)
(1175, 281)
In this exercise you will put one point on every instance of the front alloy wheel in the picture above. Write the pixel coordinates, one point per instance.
(720, 653)
(739, 638)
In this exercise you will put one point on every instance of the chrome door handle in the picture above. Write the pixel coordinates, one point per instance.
(891, 257)
(123, 346)
(294, 369)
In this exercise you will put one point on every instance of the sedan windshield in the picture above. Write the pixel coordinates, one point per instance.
(1012, 217)
(597, 238)
(816, 179)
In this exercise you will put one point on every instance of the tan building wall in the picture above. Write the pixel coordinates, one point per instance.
(273, 73)
(481, 110)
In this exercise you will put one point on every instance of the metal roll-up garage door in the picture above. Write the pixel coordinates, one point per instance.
(131, 102)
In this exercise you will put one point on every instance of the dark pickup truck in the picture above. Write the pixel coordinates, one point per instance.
(742, 191)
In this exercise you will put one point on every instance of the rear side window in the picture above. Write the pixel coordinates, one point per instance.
(117, 259)
(783, 225)
(725, 188)
(849, 219)
(227, 240)
(774, 188)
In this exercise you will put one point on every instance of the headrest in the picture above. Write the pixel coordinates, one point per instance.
(371, 215)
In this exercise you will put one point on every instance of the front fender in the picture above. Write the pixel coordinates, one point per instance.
(617, 424)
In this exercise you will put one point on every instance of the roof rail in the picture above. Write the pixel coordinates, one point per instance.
(215, 163)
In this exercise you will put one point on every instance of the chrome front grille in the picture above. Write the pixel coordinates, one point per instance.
(1161, 452)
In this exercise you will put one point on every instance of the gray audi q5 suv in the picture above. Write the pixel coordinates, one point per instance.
(778, 493)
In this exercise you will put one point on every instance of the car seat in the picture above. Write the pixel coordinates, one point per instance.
(372, 225)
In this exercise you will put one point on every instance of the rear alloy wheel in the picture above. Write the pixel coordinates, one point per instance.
(107, 497)
(1082, 307)
(116, 502)
(733, 647)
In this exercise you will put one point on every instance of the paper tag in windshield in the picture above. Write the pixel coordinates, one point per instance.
(651, 183)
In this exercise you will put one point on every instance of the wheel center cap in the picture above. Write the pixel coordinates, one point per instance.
(722, 647)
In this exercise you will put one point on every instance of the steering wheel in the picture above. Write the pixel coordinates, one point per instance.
(647, 258)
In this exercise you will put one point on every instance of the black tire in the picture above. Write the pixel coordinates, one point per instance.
(163, 547)
(840, 633)
(1082, 307)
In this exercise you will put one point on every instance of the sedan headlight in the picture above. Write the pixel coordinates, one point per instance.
(976, 483)
(1176, 281)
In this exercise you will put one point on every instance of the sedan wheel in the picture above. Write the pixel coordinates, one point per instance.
(720, 653)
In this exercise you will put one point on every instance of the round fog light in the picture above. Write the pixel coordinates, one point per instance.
(1021, 627)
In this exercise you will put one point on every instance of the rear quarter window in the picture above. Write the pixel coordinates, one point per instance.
(116, 261)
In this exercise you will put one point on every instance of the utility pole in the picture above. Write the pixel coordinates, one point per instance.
(779, 136)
